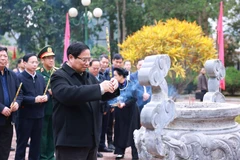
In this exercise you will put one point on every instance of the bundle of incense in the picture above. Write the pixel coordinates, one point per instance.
(16, 95)
(45, 91)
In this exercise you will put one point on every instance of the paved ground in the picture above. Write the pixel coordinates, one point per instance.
(111, 156)
(106, 156)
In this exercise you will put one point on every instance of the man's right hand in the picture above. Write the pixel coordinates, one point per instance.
(107, 86)
(6, 111)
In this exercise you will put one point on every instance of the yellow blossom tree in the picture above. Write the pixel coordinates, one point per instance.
(184, 42)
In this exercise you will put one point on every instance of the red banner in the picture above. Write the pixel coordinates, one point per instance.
(66, 38)
(220, 40)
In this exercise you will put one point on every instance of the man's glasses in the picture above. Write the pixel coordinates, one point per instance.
(85, 60)
(33, 62)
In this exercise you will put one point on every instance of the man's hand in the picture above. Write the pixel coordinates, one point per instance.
(115, 83)
(14, 107)
(121, 105)
(44, 98)
(146, 96)
(41, 99)
(107, 86)
(6, 111)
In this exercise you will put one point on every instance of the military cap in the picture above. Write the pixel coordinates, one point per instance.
(45, 52)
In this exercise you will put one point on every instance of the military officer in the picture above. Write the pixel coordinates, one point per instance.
(47, 58)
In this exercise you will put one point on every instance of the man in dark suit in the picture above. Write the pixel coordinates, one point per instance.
(31, 111)
(77, 110)
(116, 63)
(8, 88)
(104, 64)
(94, 67)
(143, 92)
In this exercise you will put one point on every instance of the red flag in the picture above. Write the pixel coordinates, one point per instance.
(220, 40)
(66, 38)
(14, 55)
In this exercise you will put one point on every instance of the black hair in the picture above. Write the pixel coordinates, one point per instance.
(121, 72)
(27, 56)
(103, 56)
(3, 49)
(19, 60)
(117, 56)
(76, 48)
(91, 62)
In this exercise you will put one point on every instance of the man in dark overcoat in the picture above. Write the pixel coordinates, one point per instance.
(8, 88)
(76, 111)
(116, 63)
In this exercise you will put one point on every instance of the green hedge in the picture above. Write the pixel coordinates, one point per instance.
(232, 80)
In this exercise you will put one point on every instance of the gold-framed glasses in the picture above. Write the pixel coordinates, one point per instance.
(85, 60)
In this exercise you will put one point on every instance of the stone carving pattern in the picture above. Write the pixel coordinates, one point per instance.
(159, 112)
(200, 146)
(215, 71)
(154, 141)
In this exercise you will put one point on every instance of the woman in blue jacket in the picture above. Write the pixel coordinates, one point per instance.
(127, 117)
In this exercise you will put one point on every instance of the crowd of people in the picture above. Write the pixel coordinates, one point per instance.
(51, 106)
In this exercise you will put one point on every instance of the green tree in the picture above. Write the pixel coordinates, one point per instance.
(197, 10)
(232, 80)
(36, 23)
(4, 41)
(98, 50)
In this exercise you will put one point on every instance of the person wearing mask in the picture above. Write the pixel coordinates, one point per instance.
(127, 116)
(143, 92)
(31, 111)
(76, 105)
(8, 89)
(47, 57)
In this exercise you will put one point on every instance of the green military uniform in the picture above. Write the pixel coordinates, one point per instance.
(47, 143)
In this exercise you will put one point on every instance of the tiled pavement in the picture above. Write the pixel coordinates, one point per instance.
(106, 156)
(111, 156)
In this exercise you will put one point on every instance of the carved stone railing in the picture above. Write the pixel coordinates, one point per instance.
(197, 131)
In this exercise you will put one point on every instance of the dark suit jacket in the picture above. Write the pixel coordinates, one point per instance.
(108, 74)
(76, 108)
(140, 89)
(31, 88)
(13, 84)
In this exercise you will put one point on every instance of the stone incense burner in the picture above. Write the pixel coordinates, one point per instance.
(186, 130)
